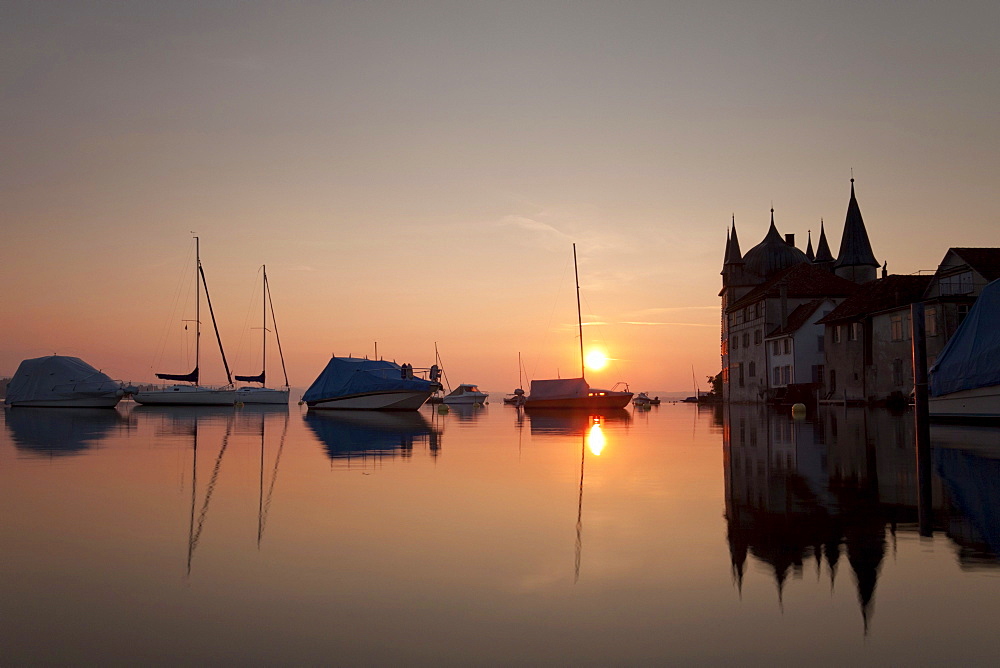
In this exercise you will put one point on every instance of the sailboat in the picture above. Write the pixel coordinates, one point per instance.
(516, 398)
(575, 393)
(263, 394)
(193, 394)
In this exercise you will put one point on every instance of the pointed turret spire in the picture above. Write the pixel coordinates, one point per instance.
(856, 261)
(809, 247)
(823, 253)
(733, 254)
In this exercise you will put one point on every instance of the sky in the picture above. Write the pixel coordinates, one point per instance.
(415, 174)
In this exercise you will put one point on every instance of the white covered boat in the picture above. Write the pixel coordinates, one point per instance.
(192, 394)
(965, 379)
(466, 393)
(60, 381)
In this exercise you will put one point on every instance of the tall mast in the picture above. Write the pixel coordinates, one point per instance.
(579, 317)
(197, 301)
(263, 303)
(274, 323)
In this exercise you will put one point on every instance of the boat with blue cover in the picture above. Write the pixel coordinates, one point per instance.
(356, 383)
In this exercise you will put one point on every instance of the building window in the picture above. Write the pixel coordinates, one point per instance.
(775, 347)
(741, 374)
(821, 343)
(930, 321)
(854, 331)
(746, 339)
(776, 375)
(753, 369)
(758, 336)
(963, 310)
(788, 346)
(957, 284)
(897, 372)
(739, 317)
(896, 327)
(836, 333)
(786, 374)
(833, 386)
(817, 373)
(735, 341)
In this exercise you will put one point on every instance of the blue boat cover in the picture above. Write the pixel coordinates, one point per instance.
(344, 376)
(971, 358)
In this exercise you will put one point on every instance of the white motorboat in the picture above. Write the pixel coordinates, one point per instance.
(192, 394)
(251, 394)
(466, 393)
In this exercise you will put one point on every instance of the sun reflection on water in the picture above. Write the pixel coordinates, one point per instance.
(595, 437)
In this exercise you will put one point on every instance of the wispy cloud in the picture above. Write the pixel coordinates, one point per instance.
(668, 324)
(532, 225)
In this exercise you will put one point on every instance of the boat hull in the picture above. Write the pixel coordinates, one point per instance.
(261, 395)
(109, 401)
(981, 403)
(467, 399)
(388, 400)
(183, 395)
(606, 401)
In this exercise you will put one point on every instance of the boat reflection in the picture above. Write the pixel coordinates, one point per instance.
(967, 459)
(56, 432)
(465, 412)
(573, 422)
(844, 482)
(354, 434)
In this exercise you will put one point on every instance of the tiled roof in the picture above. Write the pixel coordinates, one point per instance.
(880, 295)
(804, 281)
(798, 317)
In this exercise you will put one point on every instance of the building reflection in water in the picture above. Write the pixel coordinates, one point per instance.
(842, 483)
(366, 436)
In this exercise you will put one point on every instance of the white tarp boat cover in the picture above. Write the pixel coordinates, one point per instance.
(559, 388)
(971, 358)
(57, 377)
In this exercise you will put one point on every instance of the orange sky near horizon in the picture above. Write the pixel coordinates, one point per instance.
(416, 175)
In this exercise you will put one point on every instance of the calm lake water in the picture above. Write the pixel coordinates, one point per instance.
(677, 536)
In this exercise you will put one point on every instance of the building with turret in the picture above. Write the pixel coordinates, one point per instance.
(773, 297)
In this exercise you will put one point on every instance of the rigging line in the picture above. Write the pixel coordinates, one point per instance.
(209, 490)
(274, 479)
(274, 323)
(545, 332)
(183, 287)
(229, 375)
(245, 330)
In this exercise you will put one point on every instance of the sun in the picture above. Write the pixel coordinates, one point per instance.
(596, 360)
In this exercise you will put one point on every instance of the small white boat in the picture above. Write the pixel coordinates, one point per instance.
(644, 399)
(193, 394)
(466, 393)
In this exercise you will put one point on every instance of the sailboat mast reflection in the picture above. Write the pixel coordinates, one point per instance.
(264, 505)
(195, 528)
(592, 439)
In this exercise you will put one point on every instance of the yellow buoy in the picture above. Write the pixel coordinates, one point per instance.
(799, 411)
